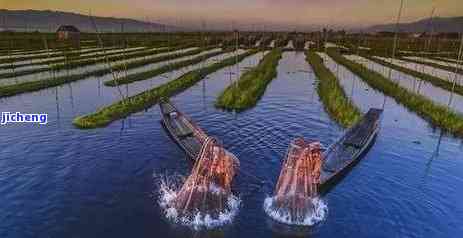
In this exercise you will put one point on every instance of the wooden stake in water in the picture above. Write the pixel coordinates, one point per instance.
(457, 70)
(427, 45)
(108, 63)
(394, 48)
(396, 37)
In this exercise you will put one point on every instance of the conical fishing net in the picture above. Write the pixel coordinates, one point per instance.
(206, 193)
(296, 194)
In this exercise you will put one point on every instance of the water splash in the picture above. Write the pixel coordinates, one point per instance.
(204, 199)
(296, 200)
(317, 212)
(197, 220)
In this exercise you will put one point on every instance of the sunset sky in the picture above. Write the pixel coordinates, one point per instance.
(219, 13)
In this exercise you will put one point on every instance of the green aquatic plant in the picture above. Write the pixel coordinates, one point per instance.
(93, 54)
(147, 99)
(437, 115)
(449, 68)
(246, 92)
(436, 81)
(90, 61)
(332, 94)
(161, 70)
(51, 53)
(30, 86)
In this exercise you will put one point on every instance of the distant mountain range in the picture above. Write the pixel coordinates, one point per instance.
(439, 24)
(46, 21)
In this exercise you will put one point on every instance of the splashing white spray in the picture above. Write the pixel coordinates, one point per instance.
(168, 192)
(205, 198)
(311, 217)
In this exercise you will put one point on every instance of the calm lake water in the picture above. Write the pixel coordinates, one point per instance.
(58, 181)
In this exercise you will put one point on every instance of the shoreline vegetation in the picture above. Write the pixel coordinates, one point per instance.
(332, 94)
(31, 86)
(246, 92)
(437, 115)
(161, 70)
(122, 109)
(436, 81)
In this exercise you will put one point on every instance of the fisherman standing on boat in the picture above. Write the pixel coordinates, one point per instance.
(313, 156)
(317, 165)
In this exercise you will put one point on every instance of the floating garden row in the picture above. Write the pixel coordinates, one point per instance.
(435, 65)
(51, 54)
(161, 70)
(87, 55)
(30, 86)
(80, 63)
(144, 100)
(246, 92)
(436, 81)
(437, 115)
(332, 94)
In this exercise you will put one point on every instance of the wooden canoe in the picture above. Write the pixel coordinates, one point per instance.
(340, 157)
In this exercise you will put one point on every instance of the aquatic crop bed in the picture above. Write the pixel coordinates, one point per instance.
(65, 63)
(439, 95)
(451, 67)
(169, 66)
(50, 54)
(124, 108)
(426, 69)
(123, 64)
(246, 92)
(85, 62)
(34, 85)
(331, 93)
(436, 114)
(436, 81)
(19, 65)
(436, 62)
(454, 62)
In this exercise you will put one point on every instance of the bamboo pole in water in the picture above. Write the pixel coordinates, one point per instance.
(457, 69)
(394, 48)
(108, 63)
(427, 45)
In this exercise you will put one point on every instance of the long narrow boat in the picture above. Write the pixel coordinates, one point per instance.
(348, 150)
(189, 136)
(182, 129)
(306, 171)
(205, 197)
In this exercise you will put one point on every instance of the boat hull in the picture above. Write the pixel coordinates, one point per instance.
(356, 151)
